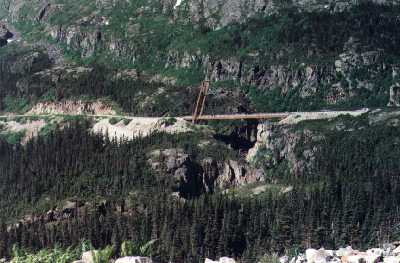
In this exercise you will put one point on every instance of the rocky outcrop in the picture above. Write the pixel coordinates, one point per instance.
(30, 129)
(73, 107)
(336, 79)
(88, 257)
(388, 253)
(74, 208)
(234, 173)
(193, 176)
(394, 100)
(25, 61)
(61, 76)
(128, 128)
(295, 141)
(186, 173)
(238, 11)
(5, 35)
(276, 144)
(221, 260)
(134, 260)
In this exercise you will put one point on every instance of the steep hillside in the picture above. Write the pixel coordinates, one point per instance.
(260, 56)
(327, 183)
(94, 149)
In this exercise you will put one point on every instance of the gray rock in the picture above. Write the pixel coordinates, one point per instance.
(88, 256)
(375, 251)
(284, 259)
(134, 260)
(361, 257)
(301, 258)
(317, 256)
(193, 176)
(221, 260)
(238, 11)
(396, 251)
(5, 34)
(394, 100)
(341, 252)
(391, 259)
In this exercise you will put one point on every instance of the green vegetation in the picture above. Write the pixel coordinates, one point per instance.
(168, 121)
(350, 192)
(103, 255)
(17, 105)
(57, 255)
(347, 194)
(127, 121)
(60, 255)
(114, 120)
(129, 248)
(48, 129)
(270, 259)
(13, 137)
(152, 43)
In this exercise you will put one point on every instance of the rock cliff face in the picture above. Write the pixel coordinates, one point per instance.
(5, 35)
(305, 73)
(193, 177)
(73, 107)
(295, 144)
(219, 13)
(394, 96)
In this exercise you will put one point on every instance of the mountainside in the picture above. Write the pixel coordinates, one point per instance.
(261, 56)
(95, 149)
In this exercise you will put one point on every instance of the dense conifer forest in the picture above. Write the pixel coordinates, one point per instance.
(350, 197)
(326, 182)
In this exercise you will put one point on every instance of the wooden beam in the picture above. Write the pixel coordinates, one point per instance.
(254, 116)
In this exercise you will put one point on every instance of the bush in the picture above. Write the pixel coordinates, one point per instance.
(104, 255)
(129, 248)
(17, 105)
(57, 255)
(13, 137)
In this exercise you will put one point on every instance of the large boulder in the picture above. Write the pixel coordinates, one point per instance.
(396, 251)
(353, 259)
(301, 258)
(347, 251)
(226, 260)
(334, 260)
(221, 260)
(391, 259)
(372, 258)
(317, 256)
(284, 259)
(88, 257)
(134, 260)
(361, 257)
(375, 251)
